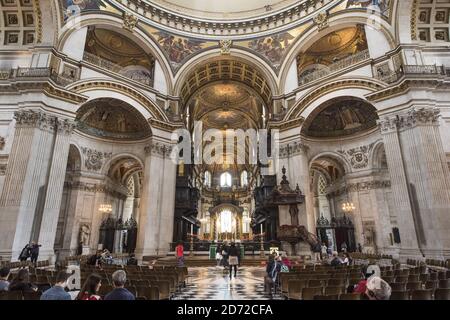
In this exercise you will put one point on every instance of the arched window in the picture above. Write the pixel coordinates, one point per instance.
(207, 178)
(225, 180)
(244, 178)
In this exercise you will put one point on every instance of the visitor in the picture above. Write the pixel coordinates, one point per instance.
(179, 251)
(132, 261)
(4, 275)
(25, 253)
(34, 252)
(272, 270)
(218, 257)
(119, 279)
(360, 249)
(378, 289)
(95, 259)
(347, 260)
(286, 261)
(344, 247)
(224, 253)
(335, 260)
(316, 249)
(57, 292)
(90, 288)
(324, 250)
(233, 258)
(106, 257)
(22, 282)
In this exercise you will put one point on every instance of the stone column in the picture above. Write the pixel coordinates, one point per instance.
(152, 200)
(54, 188)
(400, 186)
(428, 178)
(26, 174)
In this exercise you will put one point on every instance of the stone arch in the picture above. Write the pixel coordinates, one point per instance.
(115, 23)
(348, 86)
(241, 56)
(378, 156)
(335, 158)
(120, 159)
(101, 88)
(336, 22)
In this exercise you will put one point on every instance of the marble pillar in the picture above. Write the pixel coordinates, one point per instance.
(54, 188)
(153, 205)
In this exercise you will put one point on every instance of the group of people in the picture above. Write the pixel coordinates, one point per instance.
(276, 265)
(100, 258)
(322, 252)
(373, 287)
(31, 250)
(89, 290)
(229, 257)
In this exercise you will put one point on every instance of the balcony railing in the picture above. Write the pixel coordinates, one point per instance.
(414, 70)
(111, 66)
(35, 74)
(335, 67)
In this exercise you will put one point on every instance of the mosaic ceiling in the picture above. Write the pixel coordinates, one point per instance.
(110, 118)
(341, 118)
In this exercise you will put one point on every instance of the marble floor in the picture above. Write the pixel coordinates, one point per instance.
(212, 283)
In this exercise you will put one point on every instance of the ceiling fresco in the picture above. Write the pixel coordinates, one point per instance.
(178, 48)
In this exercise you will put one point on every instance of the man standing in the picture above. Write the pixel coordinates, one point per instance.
(25, 253)
(34, 251)
(57, 292)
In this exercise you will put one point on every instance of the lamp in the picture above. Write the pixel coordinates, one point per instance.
(348, 207)
(105, 208)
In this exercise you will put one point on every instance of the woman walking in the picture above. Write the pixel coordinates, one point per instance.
(233, 259)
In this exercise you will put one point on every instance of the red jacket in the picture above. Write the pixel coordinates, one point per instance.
(180, 250)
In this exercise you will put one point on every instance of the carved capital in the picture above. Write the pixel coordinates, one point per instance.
(388, 124)
(159, 149)
(65, 126)
(422, 116)
(94, 159)
(37, 119)
(292, 149)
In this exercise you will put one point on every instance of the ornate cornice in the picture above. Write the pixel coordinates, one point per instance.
(414, 8)
(38, 17)
(268, 23)
(65, 126)
(94, 159)
(94, 188)
(165, 126)
(286, 125)
(292, 149)
(359, 186)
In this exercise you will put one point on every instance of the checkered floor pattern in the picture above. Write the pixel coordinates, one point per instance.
(214, 283)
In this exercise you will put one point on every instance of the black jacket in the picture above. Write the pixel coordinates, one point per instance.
(233, 252)
(35, 250)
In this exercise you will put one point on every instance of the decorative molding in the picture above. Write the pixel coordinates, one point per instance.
(65, 126)
(414, 7)
(358, 157)
(292, 149)
(321, 20)
(129, 21)
(94, 159)
(286, 125)
(38, 17)
(2, 143)
(159, 149)
(165, 126)
(357, 187)
(225, 47)
(3, 169)
(94, 188)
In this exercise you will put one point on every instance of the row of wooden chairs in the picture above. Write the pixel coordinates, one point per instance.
(423, 294)
(19, 295)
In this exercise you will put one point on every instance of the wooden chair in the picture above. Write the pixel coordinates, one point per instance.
(414, 286)
(349, 296)
(105, 289)
(400, 295)
(337, 282)
(442, 294)
(424, 277)
(334, 290)
(315, 283)
(433, 276)
(32, 295)
(398, 286)
(413, 278)
(295, 288)
(444, 284)
(401, 279)
(11, 295)
(422, 295)
(442, 275)
(309, 293)
(164, 289)
(431, 285)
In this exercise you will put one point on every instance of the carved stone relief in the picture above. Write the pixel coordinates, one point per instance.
(94, 159)
(358, 157)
